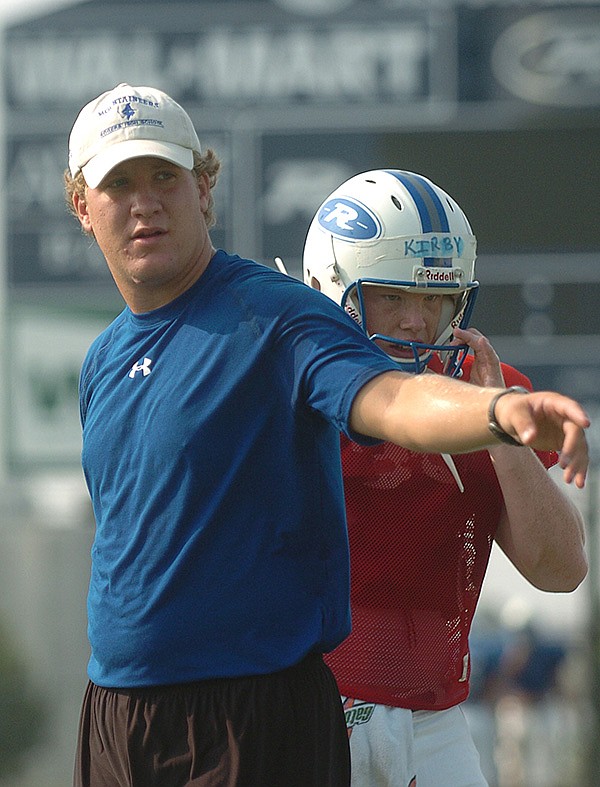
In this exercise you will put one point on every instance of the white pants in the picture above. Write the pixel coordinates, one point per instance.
(395, 747)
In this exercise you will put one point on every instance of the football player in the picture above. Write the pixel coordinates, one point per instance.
(398, 254)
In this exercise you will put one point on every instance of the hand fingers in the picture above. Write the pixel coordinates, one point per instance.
(469, 330)
(574, 474)
(466, 336)
(570, 476)
(486, 370)
(549, 408)
(547, 420)
(479, 343)
(574, 456)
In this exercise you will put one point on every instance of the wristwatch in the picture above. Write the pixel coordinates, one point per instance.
(493, 424)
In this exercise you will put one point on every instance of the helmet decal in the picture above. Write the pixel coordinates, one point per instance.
(347, 218)
(431, 211)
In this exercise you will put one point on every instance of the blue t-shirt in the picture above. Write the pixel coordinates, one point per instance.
(211, 452)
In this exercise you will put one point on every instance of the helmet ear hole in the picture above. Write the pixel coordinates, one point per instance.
(396, 202)
(315, 283)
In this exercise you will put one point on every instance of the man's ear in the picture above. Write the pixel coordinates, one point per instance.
(81, 212)
(204, 189)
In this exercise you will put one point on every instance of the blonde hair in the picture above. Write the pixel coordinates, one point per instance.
(207, 163)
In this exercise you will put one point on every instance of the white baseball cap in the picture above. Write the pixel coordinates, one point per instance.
(127, 122)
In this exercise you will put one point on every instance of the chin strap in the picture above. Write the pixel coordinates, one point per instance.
(452, 467)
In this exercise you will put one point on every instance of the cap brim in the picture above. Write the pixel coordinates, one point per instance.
(99, 166)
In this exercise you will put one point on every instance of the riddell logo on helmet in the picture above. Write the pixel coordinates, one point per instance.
(435, 274)
(354, 313)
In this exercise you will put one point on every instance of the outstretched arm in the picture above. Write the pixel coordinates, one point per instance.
(435, 414)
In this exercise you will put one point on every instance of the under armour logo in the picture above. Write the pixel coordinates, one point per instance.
(127, 111)
(143, 367)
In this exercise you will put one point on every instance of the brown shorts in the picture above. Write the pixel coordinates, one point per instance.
(281, 730)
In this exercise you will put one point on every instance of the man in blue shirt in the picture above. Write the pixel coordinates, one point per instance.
(211, 409)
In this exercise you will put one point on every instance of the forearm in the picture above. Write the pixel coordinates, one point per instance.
(435, 414)
(541, 532)
(426, 413)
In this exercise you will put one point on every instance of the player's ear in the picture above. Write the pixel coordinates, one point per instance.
(81, 211)
(204, 189)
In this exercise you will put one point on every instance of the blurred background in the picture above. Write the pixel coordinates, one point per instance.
(497, 102)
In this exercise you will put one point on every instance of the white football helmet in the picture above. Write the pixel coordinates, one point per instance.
(396, 228)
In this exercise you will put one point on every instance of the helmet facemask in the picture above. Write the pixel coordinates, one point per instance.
(455, 312)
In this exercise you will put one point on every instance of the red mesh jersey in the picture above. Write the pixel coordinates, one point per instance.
(419, 549)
